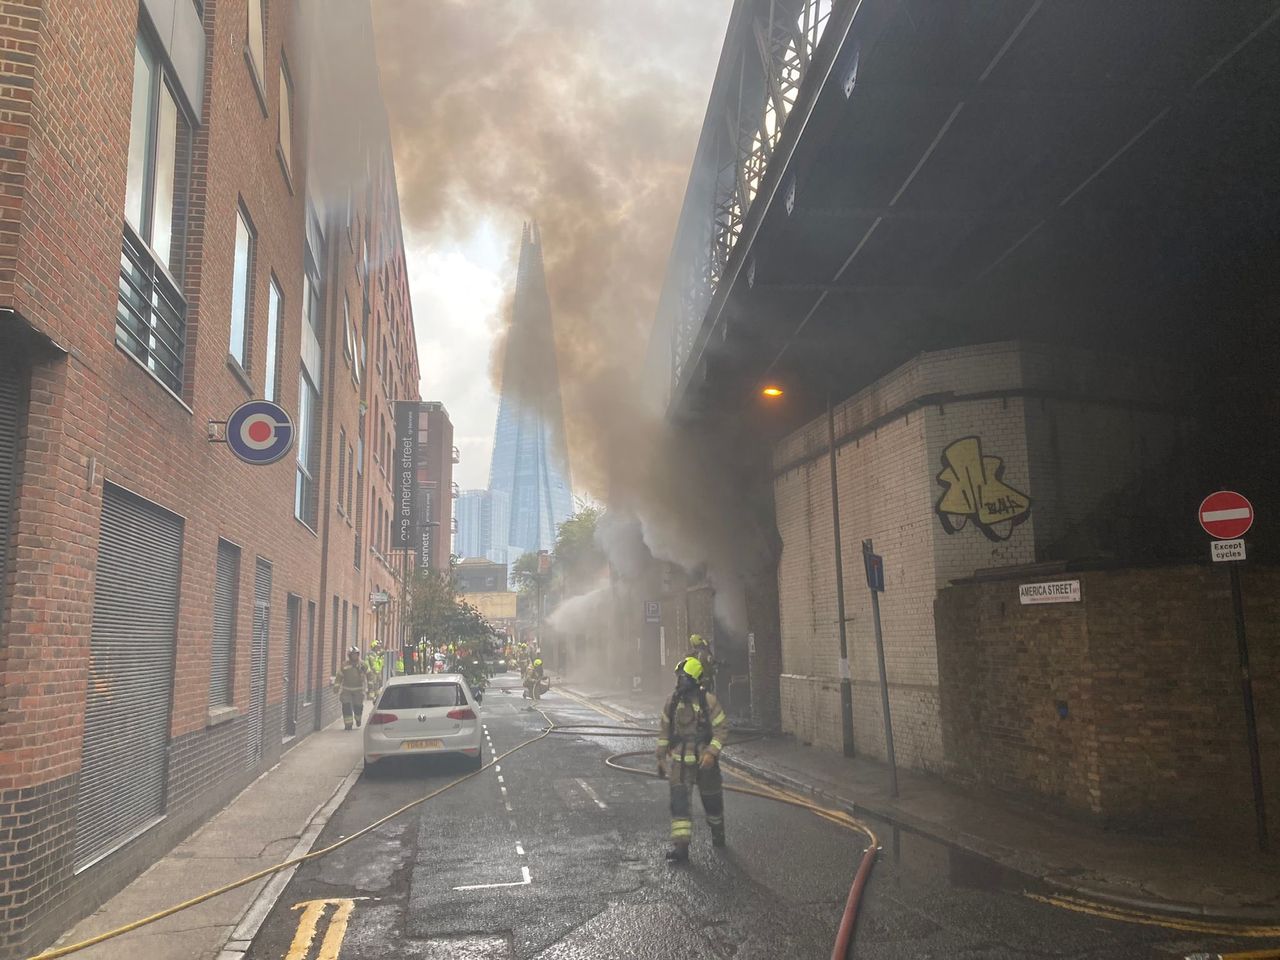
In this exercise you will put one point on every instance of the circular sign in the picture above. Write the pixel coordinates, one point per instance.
(259, 432)
(1226, 515)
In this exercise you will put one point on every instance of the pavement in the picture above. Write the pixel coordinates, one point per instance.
(1165, 875)
(275, 818)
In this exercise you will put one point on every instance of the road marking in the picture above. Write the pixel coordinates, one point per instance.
(586, 788)
(500, 780)
(507, 804)
(520, 849)
(524, 872)
(497, 768)
(335, 933)
(1150, 920)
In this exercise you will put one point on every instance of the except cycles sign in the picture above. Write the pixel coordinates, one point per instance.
(259, 432)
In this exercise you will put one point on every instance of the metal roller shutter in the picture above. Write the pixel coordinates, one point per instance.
(292, 616)
(9, 407)
(130, 690)
(258, 671)
(222, 654)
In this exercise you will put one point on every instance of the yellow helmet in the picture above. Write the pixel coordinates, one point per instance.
(537, 663)
(691, 667)
(695, 640)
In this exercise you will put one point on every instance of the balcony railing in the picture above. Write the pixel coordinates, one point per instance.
(457, 457)
(454, 491)
(151, 314)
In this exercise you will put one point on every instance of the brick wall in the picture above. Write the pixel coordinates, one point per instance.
(1041, 418)
(95, 414)
(1125, 707)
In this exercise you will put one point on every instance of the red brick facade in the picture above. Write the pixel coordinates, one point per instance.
(92, 413)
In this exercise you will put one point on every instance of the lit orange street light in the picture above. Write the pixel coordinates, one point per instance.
(771, 391)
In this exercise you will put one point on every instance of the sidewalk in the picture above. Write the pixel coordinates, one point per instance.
(271, 820)
(1141, 872)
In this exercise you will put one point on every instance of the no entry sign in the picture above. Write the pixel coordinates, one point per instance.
(1226, 515)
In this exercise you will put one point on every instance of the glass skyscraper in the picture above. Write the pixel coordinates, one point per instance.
(530, 460)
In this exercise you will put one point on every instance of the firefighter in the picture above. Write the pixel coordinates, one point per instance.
(693, 731)
(351, 683)
(533, 679)
(699, 648)
(374, 664)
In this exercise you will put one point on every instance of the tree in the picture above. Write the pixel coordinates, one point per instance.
(578, 558)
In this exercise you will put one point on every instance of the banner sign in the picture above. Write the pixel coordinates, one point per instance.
(426, 525)
(405, 466)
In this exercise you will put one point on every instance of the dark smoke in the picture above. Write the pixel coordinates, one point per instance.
(582, 115)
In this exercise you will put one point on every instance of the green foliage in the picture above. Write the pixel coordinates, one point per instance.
(437, 617)
(578, 558)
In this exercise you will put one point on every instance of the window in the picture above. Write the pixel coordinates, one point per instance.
(343, 653)
(342, 466)
(284, 132)
(359, 493)
(269, 390)
(418, 696)
(334, 634)
(349, 345)
(355, 625)
(151, 311)
(241, 288)
(304, 499)
(256, 38)
(351, 462)
(222, 652)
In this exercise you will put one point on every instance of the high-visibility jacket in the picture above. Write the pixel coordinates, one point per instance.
(691, 724)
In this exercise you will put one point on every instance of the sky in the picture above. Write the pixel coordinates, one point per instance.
(582, 114)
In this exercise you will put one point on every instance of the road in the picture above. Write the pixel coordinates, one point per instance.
(552, 855)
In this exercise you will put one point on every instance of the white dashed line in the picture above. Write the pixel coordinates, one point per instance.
(520, 849)
(586, 788)
(507, 804)
(500, 780)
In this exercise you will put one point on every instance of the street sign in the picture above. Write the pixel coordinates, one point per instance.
(1226, 515)
(1057, 591)
(875, 570)
(379, 597)
(1224, 551)
(259, 432)
(652, 611)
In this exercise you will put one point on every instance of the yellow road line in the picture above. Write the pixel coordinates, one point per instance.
(300, 949)
(1125, 915)
(1252, 955)
(337, 931)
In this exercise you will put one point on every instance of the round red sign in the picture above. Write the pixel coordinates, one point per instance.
(1226, 515)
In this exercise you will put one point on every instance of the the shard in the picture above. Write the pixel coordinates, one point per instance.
(530, 462)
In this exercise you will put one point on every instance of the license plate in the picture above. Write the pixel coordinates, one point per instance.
(421, 744)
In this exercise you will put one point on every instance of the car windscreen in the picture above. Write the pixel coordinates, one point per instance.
(413, 696)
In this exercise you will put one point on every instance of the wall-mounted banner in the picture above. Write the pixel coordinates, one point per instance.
(1059, 591)
(426, 525)
(405, 466)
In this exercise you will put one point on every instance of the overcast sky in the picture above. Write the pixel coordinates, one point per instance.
(582, 114)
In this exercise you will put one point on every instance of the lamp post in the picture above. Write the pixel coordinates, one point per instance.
(773, 392)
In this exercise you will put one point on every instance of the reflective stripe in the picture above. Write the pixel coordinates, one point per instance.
(664, 743)
(689, 759)
(718, 719)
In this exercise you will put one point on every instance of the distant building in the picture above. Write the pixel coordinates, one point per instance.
(480, 576)
(484, 520)
(530, 460)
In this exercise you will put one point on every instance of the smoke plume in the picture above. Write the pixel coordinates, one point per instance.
(582, 115)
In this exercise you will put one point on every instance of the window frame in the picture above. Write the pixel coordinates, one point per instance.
(244, 357)
(271, 366)
(257, 67)
(284, 106)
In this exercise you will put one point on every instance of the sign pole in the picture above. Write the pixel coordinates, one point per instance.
(875, 581)
(1250, 718)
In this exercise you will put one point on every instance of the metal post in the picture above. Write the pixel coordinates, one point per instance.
(1250, 719)
(846, 689)
(869, 547)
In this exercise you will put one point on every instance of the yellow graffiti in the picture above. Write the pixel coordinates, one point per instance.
(312, 913)
(975, 490)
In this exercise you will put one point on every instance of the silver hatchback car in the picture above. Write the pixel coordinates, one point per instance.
(424, 714)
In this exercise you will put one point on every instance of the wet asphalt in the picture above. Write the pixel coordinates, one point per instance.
(577, 849)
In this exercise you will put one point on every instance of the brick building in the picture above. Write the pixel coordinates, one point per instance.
(170, 616)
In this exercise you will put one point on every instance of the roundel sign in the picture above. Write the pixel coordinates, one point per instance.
(1226, 515)
(259, 432)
